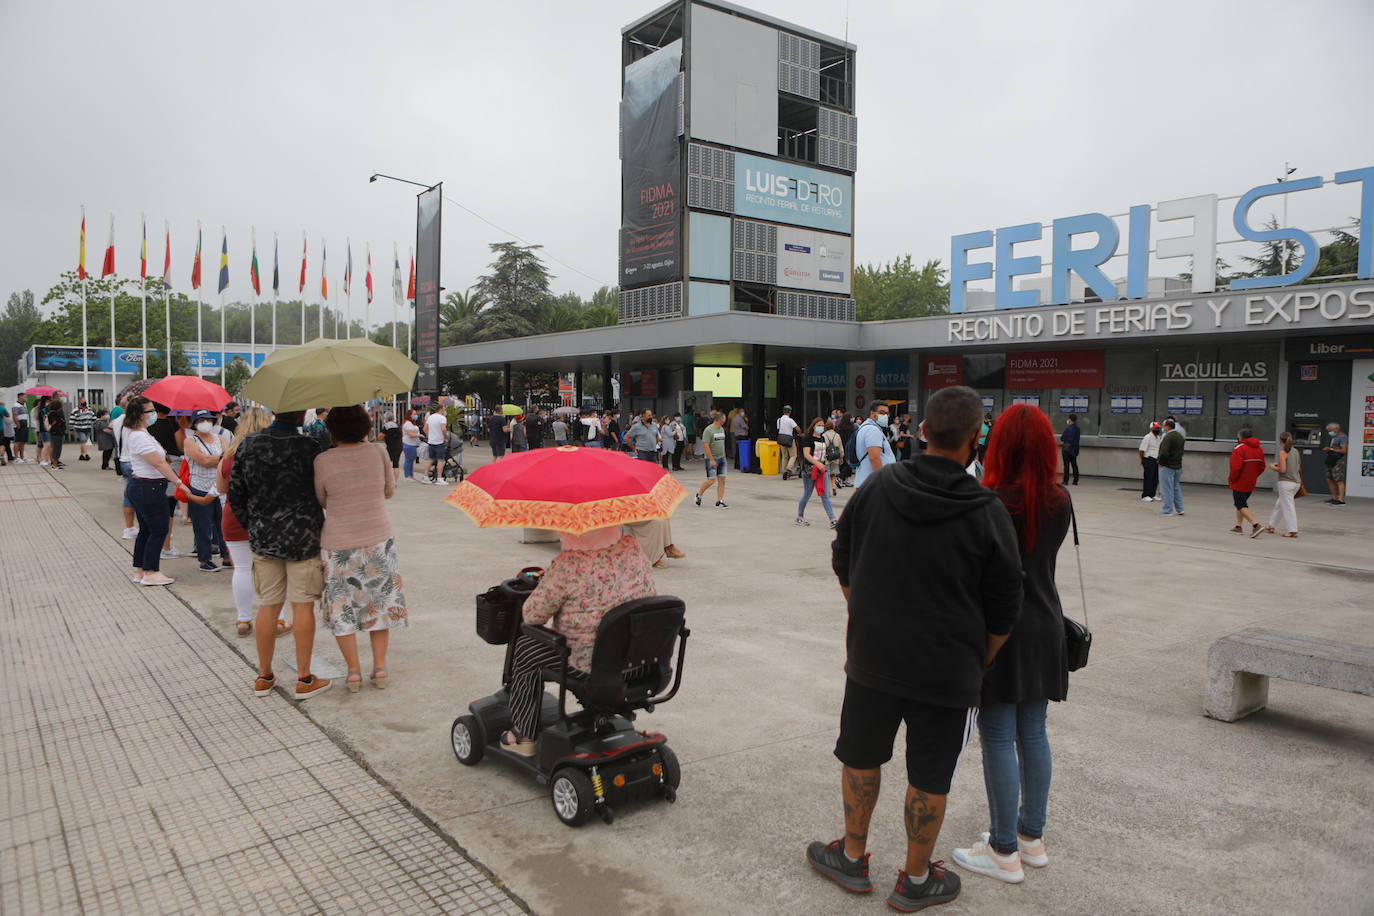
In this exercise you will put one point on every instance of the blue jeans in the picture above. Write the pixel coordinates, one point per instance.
(126, 470)
(809, 487)
(205, 522)
(1009, 731)
(1170, 490)
(408, 470)
(149, 499)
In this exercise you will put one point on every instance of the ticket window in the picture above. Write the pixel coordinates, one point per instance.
(1318, 393)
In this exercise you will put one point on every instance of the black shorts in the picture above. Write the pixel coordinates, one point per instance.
(935, 735)
(1242, 500)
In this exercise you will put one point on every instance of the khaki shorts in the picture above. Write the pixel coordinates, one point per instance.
(277, 581)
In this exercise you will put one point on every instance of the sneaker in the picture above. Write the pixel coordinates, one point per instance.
(263, 685)
(1032, 852)
(172, 554)
(130, 533)
(698, 499)
(305, 689)
(44, 464)
(720, 504)
(830, 860)
(1180, 513)
(940, 886)
(1338, 502)
(802, 523)
(1146, 499)
(209, 567)
(834, 523)
(982, 859)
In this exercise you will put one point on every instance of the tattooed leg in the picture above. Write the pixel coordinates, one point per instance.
(860, 797)
(923, 815)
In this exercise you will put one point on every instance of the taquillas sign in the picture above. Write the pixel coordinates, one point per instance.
(1214, 372)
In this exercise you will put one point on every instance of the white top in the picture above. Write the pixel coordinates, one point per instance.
(410, 433)
(20, 412)
(203, 478)
(787, 426)
(1150, 445)
(120, 437)
(434, 428)
(593, 425)
(141, 445)
(1178, 428)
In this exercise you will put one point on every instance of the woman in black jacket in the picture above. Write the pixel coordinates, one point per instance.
(1023, 468)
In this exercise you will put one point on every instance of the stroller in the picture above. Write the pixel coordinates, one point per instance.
(452, 470)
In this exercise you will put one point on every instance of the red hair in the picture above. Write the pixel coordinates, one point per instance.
(1022, 465)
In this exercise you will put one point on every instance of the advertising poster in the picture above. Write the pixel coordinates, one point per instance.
(785, 192)
(941, 372)
(127, 359)
(430, 209)
(813, 260)
(1359, 477)
(1067, 369)
(650, 171)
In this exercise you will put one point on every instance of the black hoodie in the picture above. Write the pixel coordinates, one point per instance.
(932, 564)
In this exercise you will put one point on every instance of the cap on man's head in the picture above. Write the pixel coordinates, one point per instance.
(201, 414)
(787, 408)
(1155, 424)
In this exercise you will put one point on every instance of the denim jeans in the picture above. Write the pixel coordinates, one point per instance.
(1170, 490)
(1009, 731)
(127, 472)
(809, 487)
(149, 499)
(408, 466)
(205, 521)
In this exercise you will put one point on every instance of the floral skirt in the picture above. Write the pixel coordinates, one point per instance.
(362, 589)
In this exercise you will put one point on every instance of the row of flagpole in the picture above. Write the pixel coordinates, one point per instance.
(400, 295)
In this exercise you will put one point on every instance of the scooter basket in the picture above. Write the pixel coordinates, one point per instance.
(498, 608)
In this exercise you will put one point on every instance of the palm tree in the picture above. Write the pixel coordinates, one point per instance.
(459, 316)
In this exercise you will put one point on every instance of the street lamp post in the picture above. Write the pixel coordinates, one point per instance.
(419, 215)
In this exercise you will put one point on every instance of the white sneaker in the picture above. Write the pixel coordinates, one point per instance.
(981, 859)
(44, 464)
(130, 533)
(1146, 499)
(172, 554)
(1032, 851)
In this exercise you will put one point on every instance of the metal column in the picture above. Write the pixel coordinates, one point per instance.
(607, 398)
(505, 382)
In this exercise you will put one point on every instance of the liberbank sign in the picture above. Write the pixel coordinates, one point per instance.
(1200, 246)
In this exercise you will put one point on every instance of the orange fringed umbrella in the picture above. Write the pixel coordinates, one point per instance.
(566, 489)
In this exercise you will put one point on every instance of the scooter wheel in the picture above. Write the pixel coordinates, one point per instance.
(467, 740)
(672, 772)
(570, 790)
(607, 815)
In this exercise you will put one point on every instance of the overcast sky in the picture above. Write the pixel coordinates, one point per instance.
(971, 116)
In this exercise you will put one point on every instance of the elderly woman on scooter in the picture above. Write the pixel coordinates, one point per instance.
(595, 572)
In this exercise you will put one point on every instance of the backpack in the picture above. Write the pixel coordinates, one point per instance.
(851, 446)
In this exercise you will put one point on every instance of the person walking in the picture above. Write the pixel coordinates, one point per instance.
(834, 455)
(1336, 448)
(1031, 670)
(1171, 468)
(610, 431)
(560, 431)
(56, 421)
(535, 427)
(643, 436)
(104, 437)
(410, 445)
(362, 574)
(81, 422)
(816, 477)
(679, 441)
(150, 474)
(1149, 462)
(740, 427)
(1068, 448)
(235, 535)
(497, 429)
(391, 437)
(1289, 468)
(923, 527)
(203, 449)
(40, 431)
(872, 446)
(1247, 464)
(436, 443)
(519, 439)
(713, 444)
(272, 493)
(787, 435)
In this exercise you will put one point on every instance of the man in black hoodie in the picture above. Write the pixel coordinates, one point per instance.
(929, 564)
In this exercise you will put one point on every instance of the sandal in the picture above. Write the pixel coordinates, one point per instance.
(378, 678)
(1290, 534)
(352, 685)
(245, 627)
(517, 745)
(283, 628)
(659, 564)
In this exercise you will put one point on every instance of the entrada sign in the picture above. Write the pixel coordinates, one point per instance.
(1200, 246)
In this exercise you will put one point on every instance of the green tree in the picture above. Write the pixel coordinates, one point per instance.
(20, 320)
(235, 376)
(900, 290)
(157, 367)
(1277, 256)
(460, 317)
(517, 284)
(1341, 256)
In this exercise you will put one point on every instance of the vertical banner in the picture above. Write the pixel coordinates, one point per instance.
(429, 205)
(651, 163)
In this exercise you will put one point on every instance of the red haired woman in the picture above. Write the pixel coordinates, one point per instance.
(1023, 468)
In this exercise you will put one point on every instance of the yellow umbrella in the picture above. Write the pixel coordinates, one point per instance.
(511, 410)
(329, 373)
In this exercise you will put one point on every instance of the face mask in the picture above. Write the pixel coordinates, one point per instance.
(820, 430)
(149, 417)
(204, 426)
(882, 419)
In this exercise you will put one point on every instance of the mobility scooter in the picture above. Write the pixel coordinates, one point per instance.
(595, 758)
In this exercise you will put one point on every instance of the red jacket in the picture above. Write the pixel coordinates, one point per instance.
(1247, 464)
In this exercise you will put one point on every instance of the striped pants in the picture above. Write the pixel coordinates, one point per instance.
(527, 684)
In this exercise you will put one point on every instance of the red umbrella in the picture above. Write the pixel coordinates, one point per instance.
(42, 390)
(567, 489)
(186, 392)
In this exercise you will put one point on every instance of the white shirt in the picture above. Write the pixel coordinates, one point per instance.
(1178, 428)
(434, 428)
(1150, 445)
(140, 444)
(121, 440)
(203, 478)
(787, 426)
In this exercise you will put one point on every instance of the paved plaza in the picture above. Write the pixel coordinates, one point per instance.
(142, 774)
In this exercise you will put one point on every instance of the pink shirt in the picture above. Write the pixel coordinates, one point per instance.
(353, 485)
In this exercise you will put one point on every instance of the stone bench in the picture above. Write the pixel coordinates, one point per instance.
(1240, 665)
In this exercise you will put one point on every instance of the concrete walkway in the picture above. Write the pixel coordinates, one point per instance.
(141, 776)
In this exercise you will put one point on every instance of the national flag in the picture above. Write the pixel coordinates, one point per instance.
(108, 267)
(223, 260)
(81, 262)
(195, 265)
(304, 245)
(276, 273)
(324, 271)
(253, 267)
(397, 293)
(369, 273)
(143, 252)
(348, 267)
(410, 290)
(167, 257)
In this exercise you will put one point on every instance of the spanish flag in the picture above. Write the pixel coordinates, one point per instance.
(253, 268)
(195, 265)
(81, 262)
(223, 261)
(167, 257)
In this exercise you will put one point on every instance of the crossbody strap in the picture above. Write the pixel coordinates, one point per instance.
(1078, 556)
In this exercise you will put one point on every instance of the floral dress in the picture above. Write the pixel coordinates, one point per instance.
(362, 589)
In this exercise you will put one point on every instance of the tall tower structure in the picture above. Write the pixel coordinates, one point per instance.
(738, 148)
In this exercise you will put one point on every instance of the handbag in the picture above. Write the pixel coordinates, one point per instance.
(1077, 636)
(184, 474)
(1302, 490)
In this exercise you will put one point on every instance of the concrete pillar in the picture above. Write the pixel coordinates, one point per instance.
(505, 381)
(577, 389)
(758, 423)
(607, 395)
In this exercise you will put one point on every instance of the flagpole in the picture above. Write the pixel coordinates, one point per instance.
(223, 363)
(253, 309)
(276, 279)
(167, 317)
(114, 363)
(143, 292)
(200, 343)
(85, 353)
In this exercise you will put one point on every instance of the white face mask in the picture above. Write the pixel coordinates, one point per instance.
(149, 417)
(820, 430)
(204, 426)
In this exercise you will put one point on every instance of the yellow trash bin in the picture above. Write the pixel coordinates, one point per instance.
(768, 452)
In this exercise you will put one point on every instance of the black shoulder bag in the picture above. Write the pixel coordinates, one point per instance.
(1077, 635)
